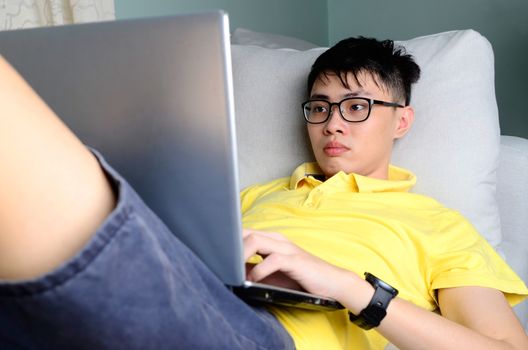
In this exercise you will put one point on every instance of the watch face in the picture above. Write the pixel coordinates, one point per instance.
(376, 282)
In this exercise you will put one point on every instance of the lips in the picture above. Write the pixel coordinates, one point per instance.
(334, 149)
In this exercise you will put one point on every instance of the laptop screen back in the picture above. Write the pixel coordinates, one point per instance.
(154, 96)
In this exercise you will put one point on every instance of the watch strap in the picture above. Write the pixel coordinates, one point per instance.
(376, 310)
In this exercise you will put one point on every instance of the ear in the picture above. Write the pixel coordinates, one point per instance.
(405, 121)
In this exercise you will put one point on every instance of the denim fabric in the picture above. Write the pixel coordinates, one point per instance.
(133, 286)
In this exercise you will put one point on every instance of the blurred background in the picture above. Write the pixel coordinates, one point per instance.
(323, 22)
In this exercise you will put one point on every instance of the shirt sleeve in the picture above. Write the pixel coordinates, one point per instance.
(462, 257)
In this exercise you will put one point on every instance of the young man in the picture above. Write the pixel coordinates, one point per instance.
(133, 285)
(350, 213)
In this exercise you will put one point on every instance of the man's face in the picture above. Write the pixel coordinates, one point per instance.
(364, 148)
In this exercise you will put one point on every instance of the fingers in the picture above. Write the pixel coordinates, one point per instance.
(273, 264)
(263, 243)
(281, 257)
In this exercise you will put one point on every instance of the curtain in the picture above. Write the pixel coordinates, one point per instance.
(16, 14)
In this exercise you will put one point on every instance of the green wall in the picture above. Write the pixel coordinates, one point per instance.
(306, 19)
(503, 22)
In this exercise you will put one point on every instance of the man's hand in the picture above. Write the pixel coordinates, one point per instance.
(287, 265)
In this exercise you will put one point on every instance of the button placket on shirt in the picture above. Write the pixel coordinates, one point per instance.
(314, 197)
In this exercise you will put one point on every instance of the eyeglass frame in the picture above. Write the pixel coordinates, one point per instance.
(338, 104)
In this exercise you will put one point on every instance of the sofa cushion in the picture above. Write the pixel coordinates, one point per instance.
(243, 36)
(453, 147)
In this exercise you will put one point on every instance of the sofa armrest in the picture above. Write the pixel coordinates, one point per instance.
(512, 190)
(512, 196)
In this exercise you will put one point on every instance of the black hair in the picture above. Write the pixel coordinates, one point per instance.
(390, 65)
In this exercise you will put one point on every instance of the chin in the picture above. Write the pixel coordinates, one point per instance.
(332, 165)
(331, 169)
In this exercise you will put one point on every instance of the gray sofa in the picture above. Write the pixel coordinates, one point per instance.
(455, 147)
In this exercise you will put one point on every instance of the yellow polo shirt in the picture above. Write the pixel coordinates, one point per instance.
(363, 224)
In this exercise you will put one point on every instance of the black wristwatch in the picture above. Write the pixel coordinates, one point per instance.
(376, 310)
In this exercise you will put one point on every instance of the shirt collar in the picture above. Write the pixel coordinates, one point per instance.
(400, 180)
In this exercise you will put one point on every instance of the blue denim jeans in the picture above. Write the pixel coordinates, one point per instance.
(133, 286)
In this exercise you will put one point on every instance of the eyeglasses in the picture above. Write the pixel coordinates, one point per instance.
(354, 109)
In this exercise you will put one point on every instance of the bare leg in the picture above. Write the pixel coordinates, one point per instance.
(53, 194)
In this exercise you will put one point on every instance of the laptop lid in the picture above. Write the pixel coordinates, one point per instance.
(155, 97)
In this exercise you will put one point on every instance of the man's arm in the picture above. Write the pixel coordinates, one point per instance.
(53, 194)
(473, 317)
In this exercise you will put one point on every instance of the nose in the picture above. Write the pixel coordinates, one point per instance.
(335, 123)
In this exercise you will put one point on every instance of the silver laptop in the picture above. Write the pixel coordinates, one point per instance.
(155, 97)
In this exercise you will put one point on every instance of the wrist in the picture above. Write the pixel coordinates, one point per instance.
(355, 294)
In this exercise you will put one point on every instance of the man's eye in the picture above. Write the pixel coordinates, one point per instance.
(357, 107)
(318, 109)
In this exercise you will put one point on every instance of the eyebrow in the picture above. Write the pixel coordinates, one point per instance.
(357, 93)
